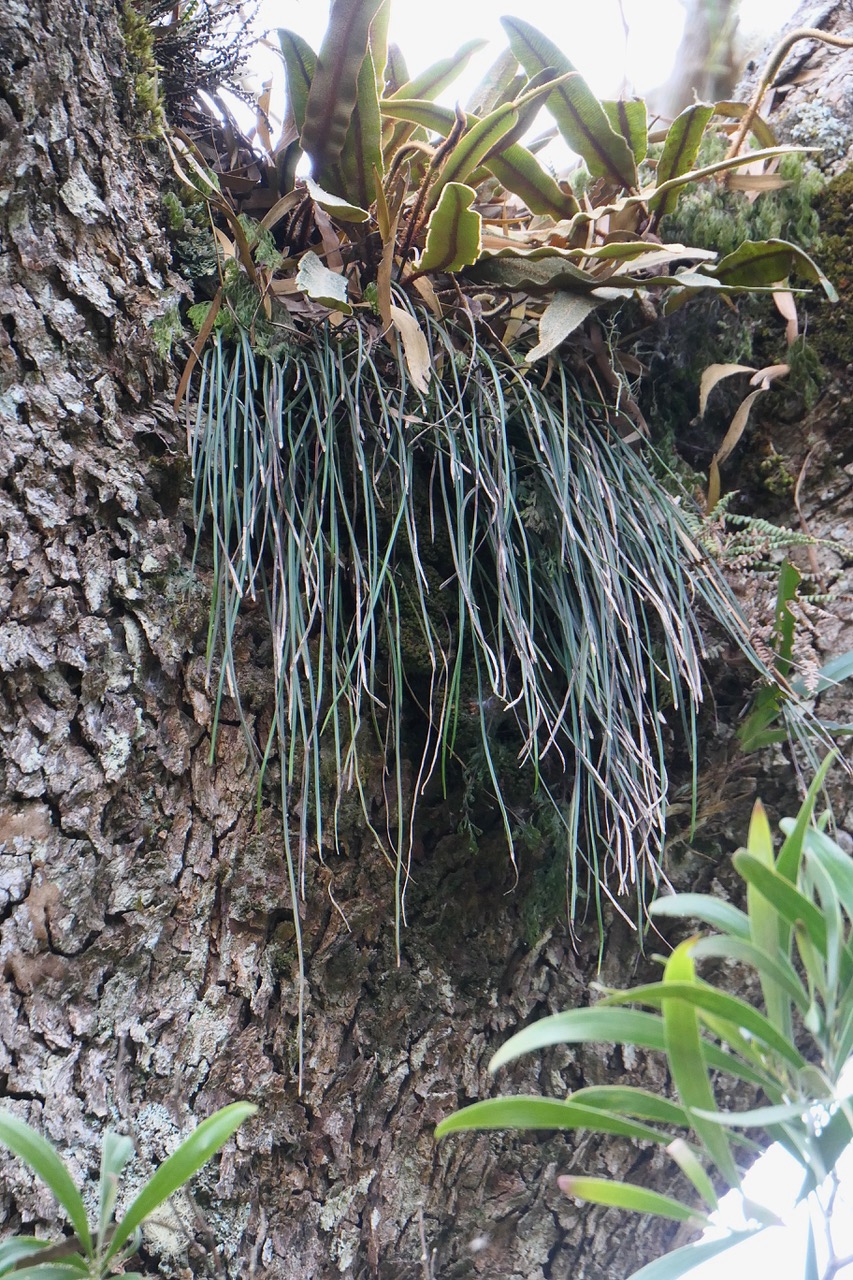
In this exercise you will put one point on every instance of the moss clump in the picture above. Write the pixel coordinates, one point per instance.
(775, 475)
(166, 330)
(187, 225)
(712, 217)
(146, 98)
(831, 326)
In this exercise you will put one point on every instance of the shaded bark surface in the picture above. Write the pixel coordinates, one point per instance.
(147, 957)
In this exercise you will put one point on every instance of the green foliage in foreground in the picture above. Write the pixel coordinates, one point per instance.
(796, 936)
(103, 1251)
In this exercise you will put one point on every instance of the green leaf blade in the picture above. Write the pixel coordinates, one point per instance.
(334, 88)
(42, 1158)
(629, 118)
(699, 906)
(440, 76)
(767, 262)
(518, 171)
(472, 147)
(531, 1112)
(453, 232)
(679, 153)
(624, 1195)
(579, 115)
(300, 64)
(672, 1266)
(191, 1155)
(686, 1061)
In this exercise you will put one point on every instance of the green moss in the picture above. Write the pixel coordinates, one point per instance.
(146, 97)
(166, 330)
(831, 326)
(807, 374)
(187, 224)
(712, 217)
(775, 474)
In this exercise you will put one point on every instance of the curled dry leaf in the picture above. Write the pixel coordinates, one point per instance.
(787, 308)
(770, 372)
(738, 424)
(714, 374)
(415, 348)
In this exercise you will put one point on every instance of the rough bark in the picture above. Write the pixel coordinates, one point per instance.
(147, 929)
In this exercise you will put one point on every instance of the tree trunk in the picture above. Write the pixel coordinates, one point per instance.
(147, 929)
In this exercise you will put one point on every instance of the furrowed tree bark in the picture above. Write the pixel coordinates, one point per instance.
(147, 957)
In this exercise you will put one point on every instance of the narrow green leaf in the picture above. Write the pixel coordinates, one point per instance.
(334, 205)
(579, 115)
(42, 1158)
(630, 119)
(836, 864)
(765, 921)
(606, 1025)
(48, 1271)
(396, 69)
(528, 104)
(693, 1169)
(497, 85)
(378, 44)
(300, 64)
(676, 1264)
(788, 901)
(321, 284)
(191, 1155)
(791, 854)
(430, 115)
(778, 969)
(719, 166)
(679, 153)
(624, 1195)
(717, 1004)
(757, 1117)
(440, 76)
(628, 1100)
(767, 262)
(523, 1112)
(426, 87)
(811, 1270)
(699, 906)
(685, 1058)
(831, 1143)
(362, 149)
(17, 1249)
(471, 148)
(563, 314)
(536, 274)
(115, 1154)
(453, 232)
(334, 85)
(831, 675)
(785, 621)
(516, 168)
(518, 171)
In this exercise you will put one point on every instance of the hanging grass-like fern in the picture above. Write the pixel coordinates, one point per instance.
(546, 578)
